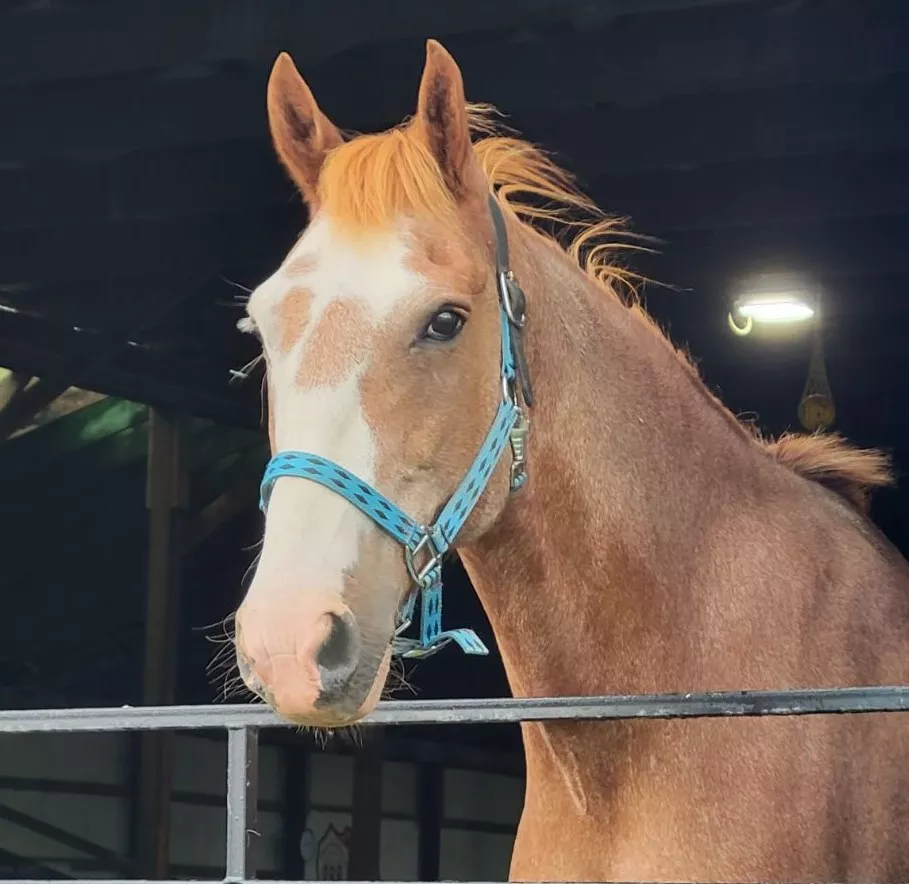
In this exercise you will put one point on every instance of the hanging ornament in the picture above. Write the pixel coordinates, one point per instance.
(816, 409)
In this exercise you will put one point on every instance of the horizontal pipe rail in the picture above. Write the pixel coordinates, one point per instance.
(243, 723)
(483, 711)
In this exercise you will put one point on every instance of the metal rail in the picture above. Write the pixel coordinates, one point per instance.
(243, 722)
(724, 704)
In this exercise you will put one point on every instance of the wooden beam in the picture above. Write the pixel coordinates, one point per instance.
(11, 385)
(137, 374)
(366, 810)
(227, 506)
(430, 797)
(13, 865)
(296, 807)
(166, 499)
(24, 402)
(79, 434)
(112, 861)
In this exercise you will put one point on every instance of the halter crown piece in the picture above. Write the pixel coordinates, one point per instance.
(424, 546)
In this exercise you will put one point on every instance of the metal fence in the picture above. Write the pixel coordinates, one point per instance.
(244, 722)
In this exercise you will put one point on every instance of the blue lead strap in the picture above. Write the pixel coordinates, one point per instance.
(433, 542)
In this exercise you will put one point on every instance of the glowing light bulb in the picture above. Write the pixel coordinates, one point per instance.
(781, 309)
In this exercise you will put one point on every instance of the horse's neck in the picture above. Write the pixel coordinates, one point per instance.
(583, 576)
(580, 577)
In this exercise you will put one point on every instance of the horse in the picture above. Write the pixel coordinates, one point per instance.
(445, 373)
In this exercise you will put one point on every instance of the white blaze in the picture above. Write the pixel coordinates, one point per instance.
(312, 534)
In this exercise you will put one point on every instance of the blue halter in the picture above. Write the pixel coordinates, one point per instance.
(425, 546)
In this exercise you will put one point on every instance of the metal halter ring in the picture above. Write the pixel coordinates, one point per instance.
(426, 575)
(516, 310)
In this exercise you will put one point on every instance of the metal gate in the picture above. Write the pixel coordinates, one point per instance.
(243, 723)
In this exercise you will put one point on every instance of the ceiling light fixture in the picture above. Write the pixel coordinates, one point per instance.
(771, 300)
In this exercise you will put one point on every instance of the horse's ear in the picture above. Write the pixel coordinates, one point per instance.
(301, 133)
(442, 117)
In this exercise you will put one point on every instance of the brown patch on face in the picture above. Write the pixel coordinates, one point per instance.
(292, 315)
(343, 334)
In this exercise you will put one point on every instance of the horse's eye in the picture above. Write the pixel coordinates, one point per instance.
(444, 326)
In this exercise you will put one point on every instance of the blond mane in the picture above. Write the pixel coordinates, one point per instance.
(370, 181)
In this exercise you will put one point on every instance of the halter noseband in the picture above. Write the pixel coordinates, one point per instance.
(424, 546)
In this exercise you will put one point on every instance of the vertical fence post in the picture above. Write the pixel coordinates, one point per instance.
(242, 801)
(296, 807)
(430, 811)
(366, 810)
(166, 500)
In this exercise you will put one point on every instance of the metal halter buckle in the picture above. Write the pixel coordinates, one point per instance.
(518, 439)
(433, 565)
(510, 390)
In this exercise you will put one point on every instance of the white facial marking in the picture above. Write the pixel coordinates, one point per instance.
(312, 534)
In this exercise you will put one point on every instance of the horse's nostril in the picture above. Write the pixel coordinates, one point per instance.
(340, 643)
(337, 658)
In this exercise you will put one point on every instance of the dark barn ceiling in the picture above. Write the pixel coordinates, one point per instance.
(138, 184)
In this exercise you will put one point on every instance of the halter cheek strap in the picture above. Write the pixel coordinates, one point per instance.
(425, 546)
